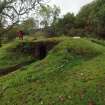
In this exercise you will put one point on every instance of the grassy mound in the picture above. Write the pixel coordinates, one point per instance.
(14, 53)
(73, 73)
(10, 57)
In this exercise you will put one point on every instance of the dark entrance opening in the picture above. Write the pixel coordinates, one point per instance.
(42, 51)
(38, 50)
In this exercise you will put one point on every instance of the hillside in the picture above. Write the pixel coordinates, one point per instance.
(72, 72)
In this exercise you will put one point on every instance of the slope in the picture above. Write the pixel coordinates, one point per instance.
(73, 73)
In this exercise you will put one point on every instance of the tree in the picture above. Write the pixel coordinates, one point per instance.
(28, 25)
(99, 18)
(14, 11)
(92, 17)
(48, 15)
(63, 25)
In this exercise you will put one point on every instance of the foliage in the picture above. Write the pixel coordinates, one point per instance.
(90, 21)
(48, 15)
(14, 11)
(93, 17)
(63, 25)
(28, 26)
(10, 12)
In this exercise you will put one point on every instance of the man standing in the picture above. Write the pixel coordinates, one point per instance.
(20, 34)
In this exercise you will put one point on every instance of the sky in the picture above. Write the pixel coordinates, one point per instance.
(69, 5)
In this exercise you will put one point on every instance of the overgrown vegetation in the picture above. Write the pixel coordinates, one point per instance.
(72, 73)
(89, 22)
(52, 65)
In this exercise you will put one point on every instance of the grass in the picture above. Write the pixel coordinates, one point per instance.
(10, 57)
(73, 73)
(11, 54)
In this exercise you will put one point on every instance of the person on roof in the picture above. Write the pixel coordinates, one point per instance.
(20, 35)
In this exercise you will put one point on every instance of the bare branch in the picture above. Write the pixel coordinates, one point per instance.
(13, 10)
